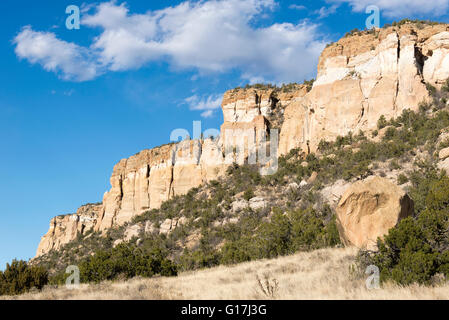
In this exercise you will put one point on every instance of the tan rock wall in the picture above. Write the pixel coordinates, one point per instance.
(363, 77)
(151, 177)
(64, 229)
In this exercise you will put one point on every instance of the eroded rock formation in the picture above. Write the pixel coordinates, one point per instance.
(65, 228)
(360, 78)
(145, 180)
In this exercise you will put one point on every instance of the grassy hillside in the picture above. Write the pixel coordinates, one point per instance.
(320, 274)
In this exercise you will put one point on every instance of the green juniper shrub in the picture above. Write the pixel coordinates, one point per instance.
(402, 178)
(249, 193)
(422, 180)
(445, 86)
(284, 234)
(309, 84)
(200, 258)
(123, 262)
(431, 89)
(324, 146)
(382, 122)
(19, 277)
(417, 249)
(394, 165)
(389, 134)
(311, 232)
(424, 107)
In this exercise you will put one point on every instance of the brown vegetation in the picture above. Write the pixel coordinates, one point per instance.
(319, 274)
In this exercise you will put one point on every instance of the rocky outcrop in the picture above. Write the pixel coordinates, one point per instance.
(66, 228)
(368, 209)
(243, 105)
(257, 203)
(362, 77)
(249, 115)
(151, 177)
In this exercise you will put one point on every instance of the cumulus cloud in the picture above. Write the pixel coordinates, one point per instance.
(400, 8)
(206, 104)
(206, 36)
(69, 60)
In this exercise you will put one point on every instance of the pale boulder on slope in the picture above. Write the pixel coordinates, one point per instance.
(369, 209)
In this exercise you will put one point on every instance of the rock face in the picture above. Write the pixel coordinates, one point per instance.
(249, 115)
(360, 78)
(66, 228)
(144, 181)
(368, 209)
(245, 105)
(365, 76)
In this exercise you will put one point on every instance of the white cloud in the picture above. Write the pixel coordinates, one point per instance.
(255, 79)
(127, 41)
(207, 36)
(206, 104)
(324, 12)
(69, 60)
(207, 114)
(400, 8)
(297, 7)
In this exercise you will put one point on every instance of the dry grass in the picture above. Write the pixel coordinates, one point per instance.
(321, 274)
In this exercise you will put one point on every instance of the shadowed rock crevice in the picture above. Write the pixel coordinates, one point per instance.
(420, 60)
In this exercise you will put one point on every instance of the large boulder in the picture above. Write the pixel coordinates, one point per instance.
(368, 209)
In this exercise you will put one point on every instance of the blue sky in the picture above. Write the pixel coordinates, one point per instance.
(74, 102)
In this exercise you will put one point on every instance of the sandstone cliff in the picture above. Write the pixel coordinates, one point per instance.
(360, 78)
(66, 228)
(144, 181)
(364, 76)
